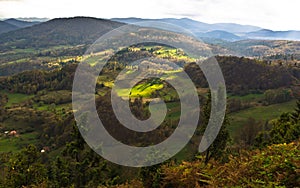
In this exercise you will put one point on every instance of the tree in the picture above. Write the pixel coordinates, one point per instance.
(285, 129)
(217, 148)
(247, 133)
(86, 167)
(296, 114)
(25, 168)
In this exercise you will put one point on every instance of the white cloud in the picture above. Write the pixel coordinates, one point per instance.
(273, 14)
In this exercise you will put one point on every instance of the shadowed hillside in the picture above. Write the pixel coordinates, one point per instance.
(62, 31)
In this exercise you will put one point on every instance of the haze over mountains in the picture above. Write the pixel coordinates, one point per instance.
(76, 31)
(219, 31)
(14, 24)
(274, 35)
(223, 31)
(195, 26)
(6, 27)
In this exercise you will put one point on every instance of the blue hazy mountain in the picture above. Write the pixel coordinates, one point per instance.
(274, 35)
(221, 31)
(196, 26)
(14, 24)
(20, 23)
(6, 27)
(219, 34)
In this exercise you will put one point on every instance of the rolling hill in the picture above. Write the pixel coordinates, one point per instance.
(219, 34)
(20, 23)
(6, 27)
(14, 24)
(33, 47)
(274, 35)
(196, 26)
(263, 48)
(243, 75)
(61, 31)
(223, 31)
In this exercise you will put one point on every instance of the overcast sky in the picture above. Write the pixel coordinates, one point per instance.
(270, 14)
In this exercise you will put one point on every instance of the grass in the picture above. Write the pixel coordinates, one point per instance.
(8, 144)
(259, 113)
(15, 98)
(48, 107)
(166, 52)
(14, 144)
(140, 90)
(237, 119)
(249, 97)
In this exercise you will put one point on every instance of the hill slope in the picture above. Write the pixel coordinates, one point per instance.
(6, 27)
(62, 31)
(243, 75)
(275, 35)
(20, 23)
(219, 34)
(196, 26)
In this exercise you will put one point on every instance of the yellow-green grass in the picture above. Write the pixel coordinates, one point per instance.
(140, 90)
(57, 108)
(17, 61)
(16, 51)
(101, 57)
(259, 113)
(166, 52)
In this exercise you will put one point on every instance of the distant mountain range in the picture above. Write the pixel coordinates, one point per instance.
(20, 23)
(223, 31)
(195, 26)
(219, 34)
(6, 27)
(86, 30)
(274, 35)
(14, 24)
(208, 32)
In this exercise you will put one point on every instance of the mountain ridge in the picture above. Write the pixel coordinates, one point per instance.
(59, 31)
(6, 27)
(196, 26)
(20, 23)
(270, 34)
(240, 31)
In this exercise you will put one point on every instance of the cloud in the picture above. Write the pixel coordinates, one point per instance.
(188, 15)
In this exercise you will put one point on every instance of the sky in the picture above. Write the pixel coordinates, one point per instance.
(269, 14)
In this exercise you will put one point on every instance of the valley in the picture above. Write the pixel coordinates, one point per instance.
(42, 146)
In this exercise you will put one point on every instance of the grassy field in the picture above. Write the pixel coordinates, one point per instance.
(260, 113)
(57, 108)
(15, 98)
(248, 98)
(140, 90)
(8, 144)
(14, 144)
(237, 119)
